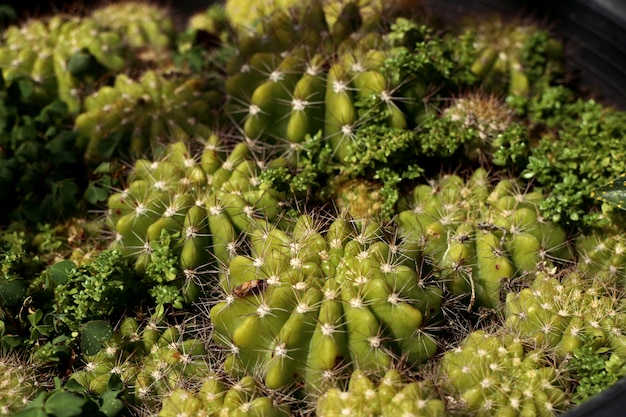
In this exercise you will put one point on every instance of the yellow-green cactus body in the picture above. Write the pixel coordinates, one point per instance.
(305, 306)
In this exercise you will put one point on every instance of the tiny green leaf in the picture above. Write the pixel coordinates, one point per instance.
(64, 404)
(59, 271)
(12, 293)
(94, 333)
(613, 193)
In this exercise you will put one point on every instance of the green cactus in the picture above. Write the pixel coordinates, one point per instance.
(282, 99)
(308, 305)
(559, 311)
(481, 237)
(513, 57)
(487, 129)
(245, 17)
(189, 207)
(61, 56)
(151, 359)
(602, 252)
(132, 117)
(19, 384)
(219, 397)
(392, 396)
(144, 26)
(496, 375)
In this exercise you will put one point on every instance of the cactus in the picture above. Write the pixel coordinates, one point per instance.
(253, 18)
(60, 56)
(282, 91)
(219, 397)
(602, 252)
(512, 57)
(481, 237)
(560, 311)
(496, 375)
(189, 207)
(146, 27)
(493, 134)
(132, 117)
(307, 306)
(19, 384)
(150, 359)
(392, 396)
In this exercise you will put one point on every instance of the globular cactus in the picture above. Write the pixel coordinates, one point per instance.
(133, 116)
(218, 397)
(480, 237)
(602, 252)
(246, 18)
(151, 359)
(307, 305)
(19, 384)
(489, 133)
(497, 375)
(359, 199)
(146, 27)
(196, 204)
(512, 57)
(61, 56)
(558, 311)
(283, 92)
(392, 396)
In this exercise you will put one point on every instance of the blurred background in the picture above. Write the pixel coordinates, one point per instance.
(594, 31)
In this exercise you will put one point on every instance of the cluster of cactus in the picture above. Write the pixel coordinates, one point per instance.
(498, 375)
(560, 312)
(132, 117)
(62, 54)
(218, 397)
(392, 396)
(285, 92)
(301, 309)
(59, 55)
(307, 305)
(256, 18)
(143, 25)
(197, 202)
(512, 58)
(601, 251)
(150, 359)
(479, 236)
(489, 132)
(19, 384)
